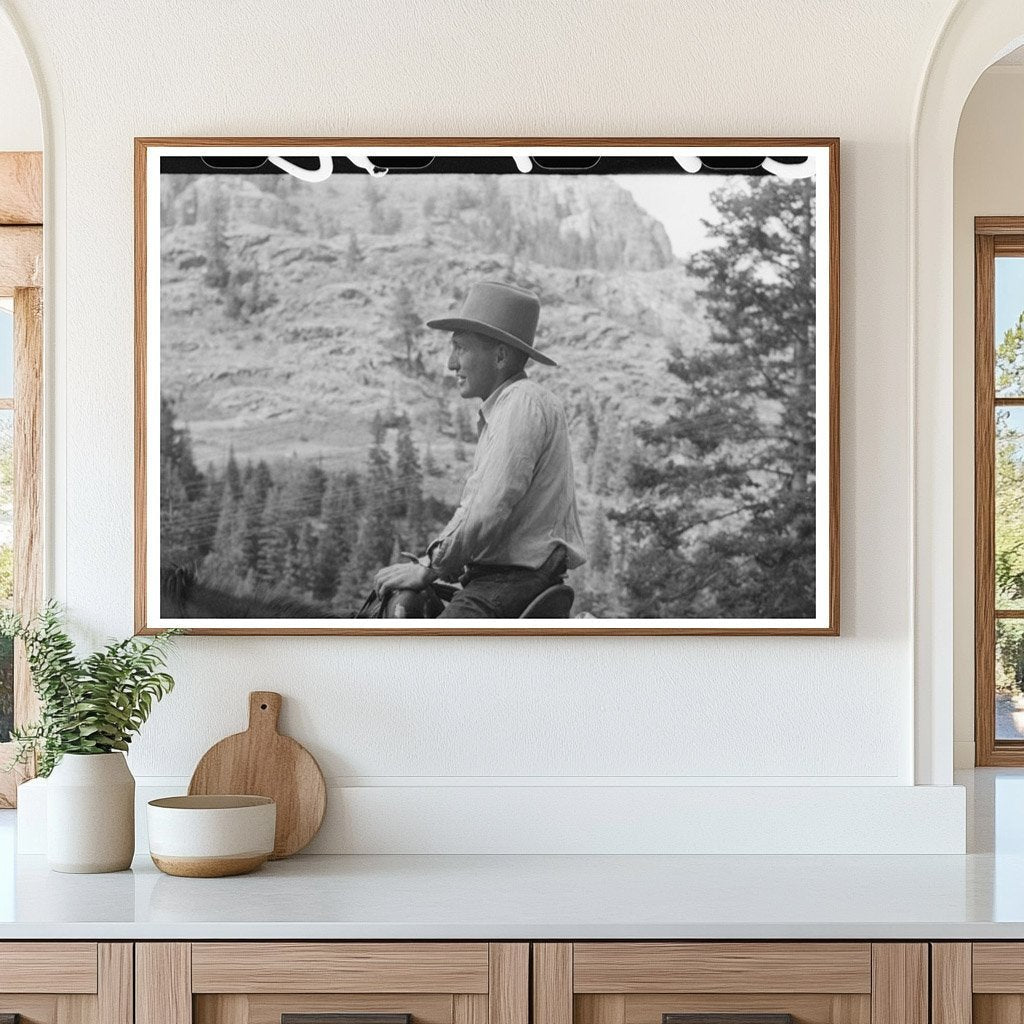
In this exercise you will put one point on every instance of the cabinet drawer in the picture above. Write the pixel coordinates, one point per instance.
(340, 967)
(66, 982)
(65, 967)
(730, 983)
(635, 967)
(332, 983)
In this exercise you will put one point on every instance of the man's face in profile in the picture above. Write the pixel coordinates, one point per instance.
(475, 362)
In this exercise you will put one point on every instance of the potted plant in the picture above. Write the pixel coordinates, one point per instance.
(89, 710)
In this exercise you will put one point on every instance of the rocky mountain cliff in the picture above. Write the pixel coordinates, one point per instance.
(290, 311)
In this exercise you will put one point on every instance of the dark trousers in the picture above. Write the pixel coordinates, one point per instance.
(503, 591)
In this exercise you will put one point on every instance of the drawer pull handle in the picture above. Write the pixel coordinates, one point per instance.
(342, 1018)
(727, 1018)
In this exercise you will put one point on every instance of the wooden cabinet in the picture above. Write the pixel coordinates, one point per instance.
(512, 983)
(978, 983)
(66, 982)
(264, 982)
(754, 982)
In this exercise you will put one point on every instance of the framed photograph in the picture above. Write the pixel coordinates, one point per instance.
(504, 386)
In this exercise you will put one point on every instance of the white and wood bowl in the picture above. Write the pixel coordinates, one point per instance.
(211, 836)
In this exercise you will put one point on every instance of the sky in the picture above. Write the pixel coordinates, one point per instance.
(679, 201)
(6, 353)
(1009, 292)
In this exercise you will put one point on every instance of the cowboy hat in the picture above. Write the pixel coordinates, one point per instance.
(501, 312)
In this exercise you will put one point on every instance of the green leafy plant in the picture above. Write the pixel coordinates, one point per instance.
(89, 705)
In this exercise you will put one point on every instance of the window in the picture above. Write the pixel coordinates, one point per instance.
(21, 319)
(999, 490)
(6, 511)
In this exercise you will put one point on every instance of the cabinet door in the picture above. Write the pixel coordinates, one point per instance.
(981, 982)
(730, 983)
(66, 982)
(332, 983)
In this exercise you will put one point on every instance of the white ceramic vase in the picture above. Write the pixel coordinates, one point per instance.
(90, 814)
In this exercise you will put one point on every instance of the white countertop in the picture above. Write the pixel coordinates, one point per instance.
(979, 895)
(496, 897)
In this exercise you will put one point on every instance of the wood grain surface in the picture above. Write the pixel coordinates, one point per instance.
(21, 188)
(951, 983)
(65, 967)
(28, 483)
(163, 983)
(630, 967)
(984, 504)
(21, 259)
(469, 1008)
(304, 967)
(508, 993)
(806, 1008)
(552, 983)
(262, 762)
(270, 1008)
(115, 997)
(900, 983)
(998, 967)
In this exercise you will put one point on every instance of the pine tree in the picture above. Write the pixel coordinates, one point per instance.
(182, 489)
(311, 489)
(341, 510)
(232, 476)
(226, 566)
(405, 321)
(1010, 361)
(599, 543)
(410, 485)
(722, 515)
(376, 528)
(300, 562)
(273, 537)
(176, 451)
(252, 506)
(217, 271)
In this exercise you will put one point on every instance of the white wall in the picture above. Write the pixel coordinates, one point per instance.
(21, 127)
(987, 182)
(430, 714)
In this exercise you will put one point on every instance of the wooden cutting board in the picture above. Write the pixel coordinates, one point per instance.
(262, 762)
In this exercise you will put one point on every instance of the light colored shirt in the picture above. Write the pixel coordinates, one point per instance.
(519, 502)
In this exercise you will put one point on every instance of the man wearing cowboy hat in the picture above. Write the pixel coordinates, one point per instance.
(516, 531)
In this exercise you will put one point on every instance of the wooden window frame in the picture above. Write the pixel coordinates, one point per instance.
(21, 278)
(993, 236)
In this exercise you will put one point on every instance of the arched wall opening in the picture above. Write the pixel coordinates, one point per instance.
(989, 152)
(976, 34)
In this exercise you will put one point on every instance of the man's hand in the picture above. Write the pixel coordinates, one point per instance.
(403, 576)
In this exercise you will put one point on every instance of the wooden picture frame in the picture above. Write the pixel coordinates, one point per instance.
(539, 155)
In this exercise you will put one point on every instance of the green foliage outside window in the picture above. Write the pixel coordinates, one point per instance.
(1009, 510)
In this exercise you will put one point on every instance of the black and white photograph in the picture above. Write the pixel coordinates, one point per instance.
(450, 388)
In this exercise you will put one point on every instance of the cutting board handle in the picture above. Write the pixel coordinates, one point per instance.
(264, 710)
